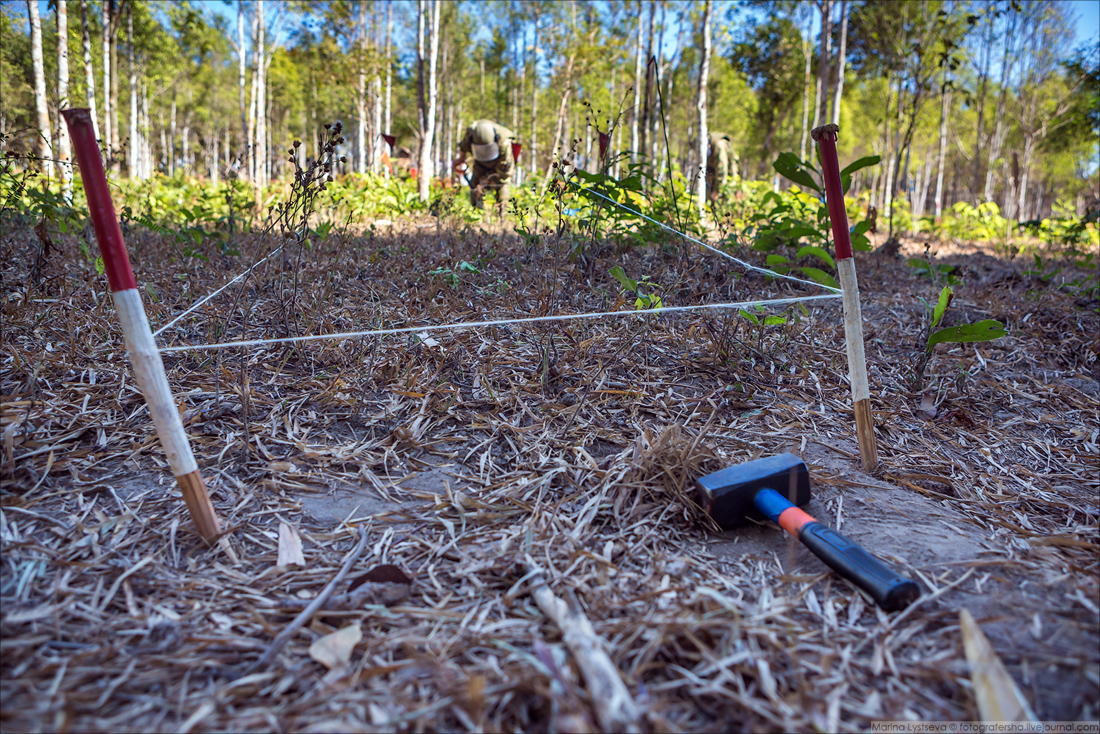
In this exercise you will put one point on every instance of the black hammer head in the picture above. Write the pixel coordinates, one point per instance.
(727, 495)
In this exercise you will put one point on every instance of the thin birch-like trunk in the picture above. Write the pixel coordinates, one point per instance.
(1000, 130)
(428, 14)
(172, 138)
(807, 55)
(262, 146)
(389, 65)
(361, 98)
(133, 152)
(980, 136)
(821, 96)
(108, 132)
(376, 137)
(41, 109)
(841, 59)
(242, 66)
(533, 155)
(116, 17)
(945, 103)
(64, 148)
(701, 107)
(89, 72)
(637, 86)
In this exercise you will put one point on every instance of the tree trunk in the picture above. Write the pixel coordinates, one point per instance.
(116, 16)
(134, 148)
(244, 154)
(941, 157)
(999, 128)
(171, 149)
(89, 72)
(376, 136)
(807, 56)
(535, 98)
(64, 149)
(252, 101)
(261, 103)
(649, 98)
(42, 110)
(389, 66)
(821, 96)
(701, 107)
(980, 137)
(143, 126)
(427, 14)
(637, 86)
(108, 131)
(841, 59)
(361, 99)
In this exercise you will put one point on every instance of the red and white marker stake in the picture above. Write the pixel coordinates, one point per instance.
(140, 346)
(825, 137)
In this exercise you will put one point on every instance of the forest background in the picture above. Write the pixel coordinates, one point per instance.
(966, 102)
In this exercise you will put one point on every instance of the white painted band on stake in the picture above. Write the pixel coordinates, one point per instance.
(501, 322)
(853, 330)
(149, 370)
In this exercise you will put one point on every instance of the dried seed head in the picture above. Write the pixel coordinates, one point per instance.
(330, 178)
(327, 126)
(297, 143)
(343, 159)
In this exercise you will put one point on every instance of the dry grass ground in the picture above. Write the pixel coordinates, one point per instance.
(472, 457)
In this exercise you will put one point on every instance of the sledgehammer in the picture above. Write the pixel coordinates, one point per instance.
(753, 490)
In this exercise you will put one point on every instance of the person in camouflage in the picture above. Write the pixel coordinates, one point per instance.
(719, 153)
(491, 146)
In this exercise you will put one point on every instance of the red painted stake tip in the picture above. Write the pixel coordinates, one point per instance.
(834, 192)
(102, 210)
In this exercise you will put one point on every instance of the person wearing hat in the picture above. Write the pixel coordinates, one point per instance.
(491, 146)
(719, 152)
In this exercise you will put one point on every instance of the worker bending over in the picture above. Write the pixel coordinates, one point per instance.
(491, 146)
(719, 153)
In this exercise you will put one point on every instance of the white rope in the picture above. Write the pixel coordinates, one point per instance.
(723, 253)
(172, 323)
(502, 322)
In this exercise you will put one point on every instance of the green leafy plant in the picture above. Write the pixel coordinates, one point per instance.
(980, 331)
(642, 300)
(799, 219)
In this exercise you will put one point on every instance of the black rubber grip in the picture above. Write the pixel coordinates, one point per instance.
(889, 590)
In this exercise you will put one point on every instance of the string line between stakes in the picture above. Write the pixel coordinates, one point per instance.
(481, 324)
(723, 253)
(201, 301)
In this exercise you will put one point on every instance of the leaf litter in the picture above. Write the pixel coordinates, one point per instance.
(527, 493)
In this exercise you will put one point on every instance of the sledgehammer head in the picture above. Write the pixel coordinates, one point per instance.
(727, 495)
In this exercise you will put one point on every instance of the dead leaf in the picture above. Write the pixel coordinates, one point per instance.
(998, 697)
(290, 546)
(385, 573)
(927, 407)
(334, 650)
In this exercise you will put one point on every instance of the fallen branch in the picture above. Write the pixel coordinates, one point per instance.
(615, 708)
(284, 637)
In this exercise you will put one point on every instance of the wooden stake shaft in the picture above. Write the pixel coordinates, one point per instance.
(140, 346)
(857, 364)
(825, 137)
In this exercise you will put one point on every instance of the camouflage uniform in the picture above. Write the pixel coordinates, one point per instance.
(719, 153)
(496, 173)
